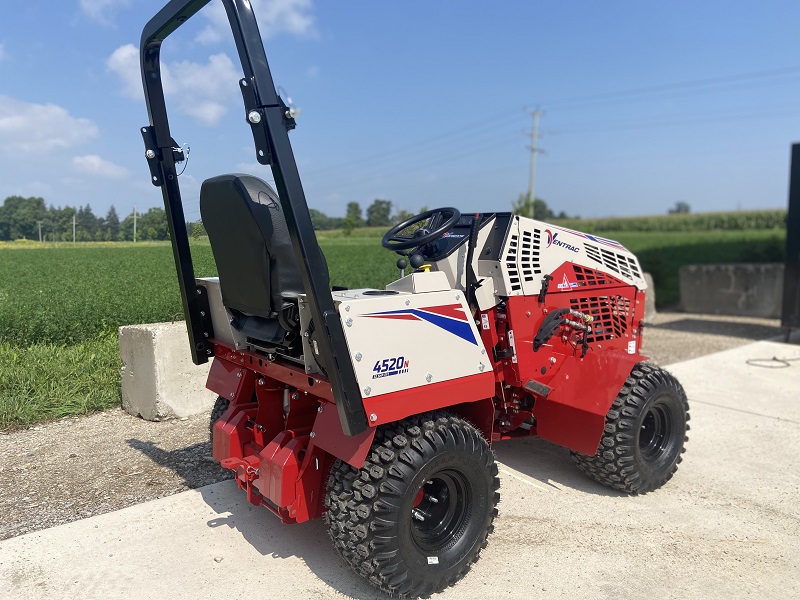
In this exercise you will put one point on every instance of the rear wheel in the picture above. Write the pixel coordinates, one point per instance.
(644, 434)
(220, 406)
(415, 517)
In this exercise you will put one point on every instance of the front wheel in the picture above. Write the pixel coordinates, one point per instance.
(415, 517)
(644, 434)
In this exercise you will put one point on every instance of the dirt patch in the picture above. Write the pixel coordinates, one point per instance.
(79, 467)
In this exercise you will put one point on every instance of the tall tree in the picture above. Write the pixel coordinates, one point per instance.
(111, 224)
(537, 209)
(20, 217)
(379, 213)
(354, 214)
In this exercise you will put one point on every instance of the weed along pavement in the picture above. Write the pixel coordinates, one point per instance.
(726, 526)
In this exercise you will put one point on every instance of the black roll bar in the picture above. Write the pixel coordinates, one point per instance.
(270, 122)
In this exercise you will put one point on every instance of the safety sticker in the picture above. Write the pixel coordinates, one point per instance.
(632, 347)
(485, 322)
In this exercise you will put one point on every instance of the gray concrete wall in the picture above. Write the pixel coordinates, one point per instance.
(649, 299)
(159, 379)
(751, 290)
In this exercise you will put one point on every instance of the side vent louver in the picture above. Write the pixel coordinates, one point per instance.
(618, 263)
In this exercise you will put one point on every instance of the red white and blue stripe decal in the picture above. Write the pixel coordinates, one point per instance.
(450, 317)
(595, 238)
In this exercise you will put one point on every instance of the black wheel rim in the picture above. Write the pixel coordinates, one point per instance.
(441, 509)
(655, 432)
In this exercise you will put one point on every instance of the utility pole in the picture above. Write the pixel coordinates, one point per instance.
(534, 148)
(40, 230)
(134, 224)
(73, 228)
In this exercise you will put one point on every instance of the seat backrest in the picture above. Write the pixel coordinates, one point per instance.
(251, 245)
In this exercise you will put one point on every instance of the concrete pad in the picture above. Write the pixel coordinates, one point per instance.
(159, 379)
(727, 526)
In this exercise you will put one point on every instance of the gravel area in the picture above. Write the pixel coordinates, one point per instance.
(74, 468)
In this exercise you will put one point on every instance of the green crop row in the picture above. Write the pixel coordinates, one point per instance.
(724, 221)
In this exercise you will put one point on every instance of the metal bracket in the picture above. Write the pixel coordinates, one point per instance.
(256, 118)
(154, 155)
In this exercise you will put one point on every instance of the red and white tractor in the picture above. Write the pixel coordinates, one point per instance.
(376, 408)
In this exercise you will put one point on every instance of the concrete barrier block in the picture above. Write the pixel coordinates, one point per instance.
(159, 379)
(649, 299)
(747, 289)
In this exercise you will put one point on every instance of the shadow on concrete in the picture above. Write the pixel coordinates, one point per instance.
(549, 464)
(191, 463)
(259, 527)
(747, 331)
(307, 541)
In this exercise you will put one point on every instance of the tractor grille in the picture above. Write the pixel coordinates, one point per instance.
(529, 254)
(610, 315)
(510, 260)
(619, 263)
(521, 258)
(587, 276)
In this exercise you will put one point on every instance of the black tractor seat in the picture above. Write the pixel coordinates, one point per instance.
(253, 252)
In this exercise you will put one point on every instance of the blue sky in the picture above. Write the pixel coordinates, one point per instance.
(645, 104)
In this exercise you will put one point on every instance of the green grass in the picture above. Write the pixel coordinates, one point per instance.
(61, 304)
(41, 382)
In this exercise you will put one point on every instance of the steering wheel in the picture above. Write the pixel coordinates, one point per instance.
(404, 236)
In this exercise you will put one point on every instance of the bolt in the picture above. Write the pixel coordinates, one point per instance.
(208, 352)
(198, 292)
(408, 302)
(202, 313)
(367, 391)
(373, 417)
(458, 296)
(347, 308)
(552, 360)
(349, 322)
(483, 351)
(305, 334)
(312, 434)
(308, 369)
(231, 394)
(528, 314)
(544, 312)
(319, 409)
(428, 377)
(417, 514)
(254, 117)
(239, 374)
(261, 382)
(481, 367)
(358, 356)
(150, 154)
(430, 498)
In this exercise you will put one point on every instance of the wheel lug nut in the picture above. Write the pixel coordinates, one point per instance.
(417, 515)
(430, 498)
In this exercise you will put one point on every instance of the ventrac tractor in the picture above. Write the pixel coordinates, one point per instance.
(376, 408)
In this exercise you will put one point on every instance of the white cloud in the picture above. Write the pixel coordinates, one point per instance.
(27, 128)
(124, 61)
(274, 16)
(203, 91)
(95, 165)
(102, 11)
